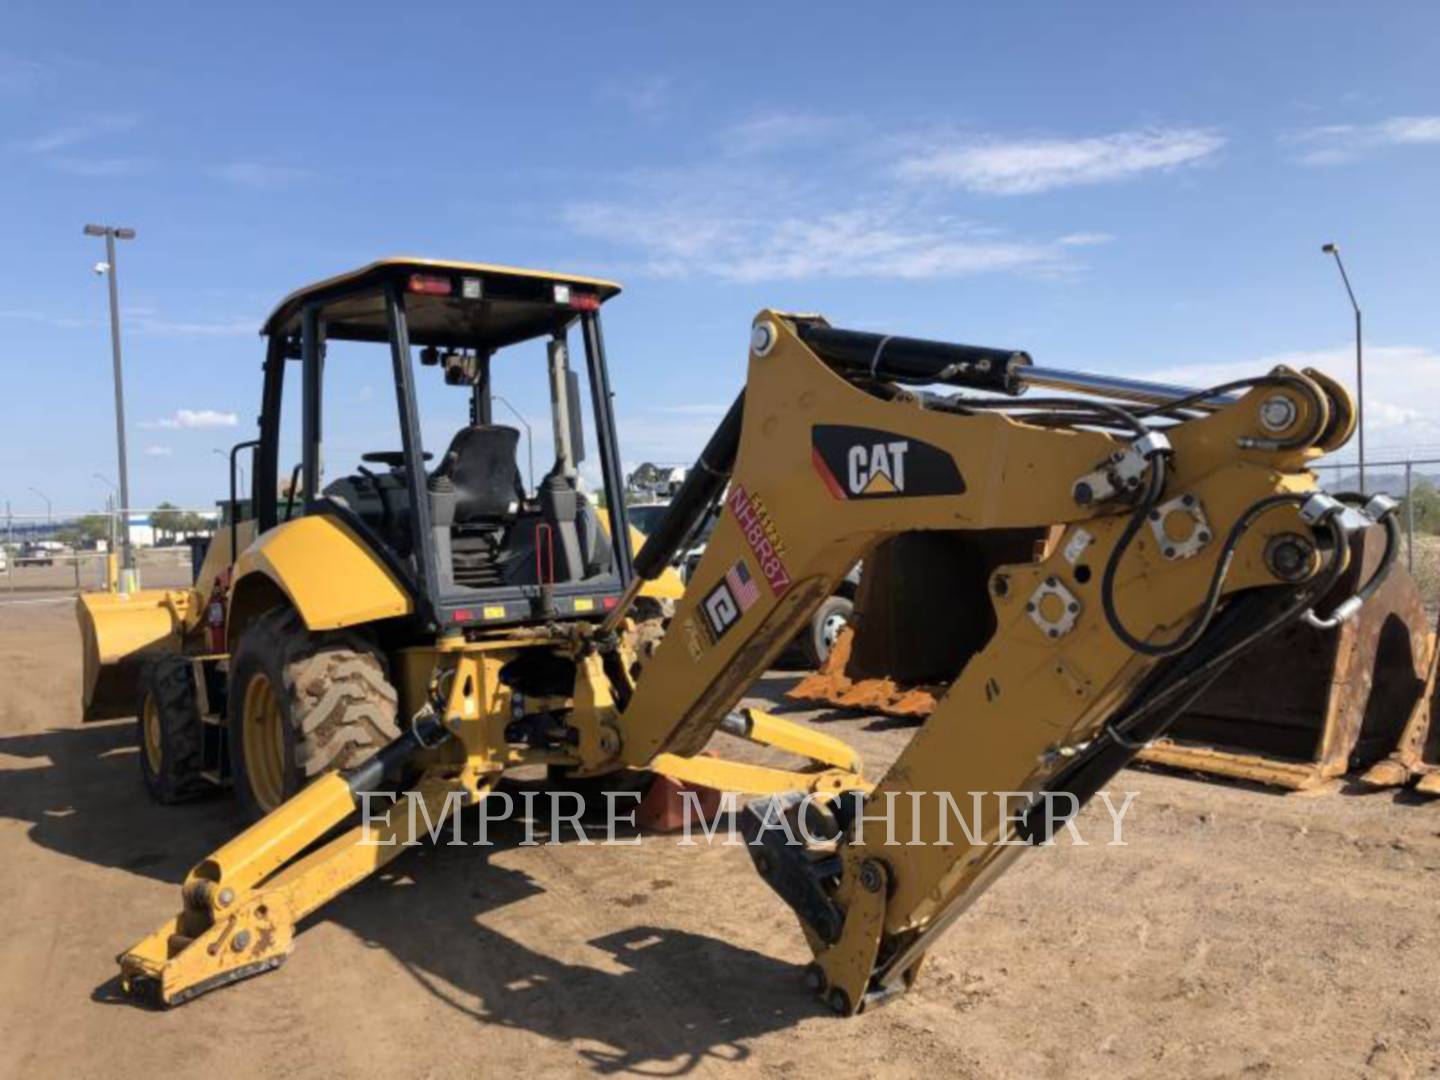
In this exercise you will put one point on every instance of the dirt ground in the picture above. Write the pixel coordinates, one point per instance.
(1238, 932)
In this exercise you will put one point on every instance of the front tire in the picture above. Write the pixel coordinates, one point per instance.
(171, 755)
(303, 704)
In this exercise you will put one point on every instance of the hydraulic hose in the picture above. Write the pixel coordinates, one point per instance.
(1170, 690)
(1217, 579)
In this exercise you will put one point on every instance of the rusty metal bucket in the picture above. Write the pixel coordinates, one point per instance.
(1417, 755)
(1310, 705)
(921, 612)
(1300, 709)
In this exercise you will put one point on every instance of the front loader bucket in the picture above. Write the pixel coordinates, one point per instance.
(923, 609)
(117, 632)
(1308, 705)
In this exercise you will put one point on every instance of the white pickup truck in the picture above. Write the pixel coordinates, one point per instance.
(825, 625)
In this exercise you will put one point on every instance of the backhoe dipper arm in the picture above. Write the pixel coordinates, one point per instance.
(1098, 644)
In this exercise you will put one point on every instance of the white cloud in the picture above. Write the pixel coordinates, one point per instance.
(157, 451)
(143, 322)
(261, 175)
(153, 326)
(82, 131)
(184, 419)
(99, 167)
(998, 166)
(58, 322)
(1402, 390)
(771, 131)
(19, 74)
(648, 97)
(58, 148)
(1336, 144)
(836, 214)
(779, 242)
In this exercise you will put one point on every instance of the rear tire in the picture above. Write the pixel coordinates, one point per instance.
(168, 730)
(829, 619)
(303, 704)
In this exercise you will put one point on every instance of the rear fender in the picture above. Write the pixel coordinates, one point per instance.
(323, 570)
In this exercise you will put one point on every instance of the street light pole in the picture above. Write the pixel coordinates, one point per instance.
(529, 437)
(111, 234)
(1334, 249)
(49, 509)
(238, 468)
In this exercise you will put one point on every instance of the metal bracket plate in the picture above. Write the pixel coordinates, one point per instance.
(1061, 599)
(1191, 545)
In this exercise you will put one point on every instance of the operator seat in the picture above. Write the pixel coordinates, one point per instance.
(480, 466)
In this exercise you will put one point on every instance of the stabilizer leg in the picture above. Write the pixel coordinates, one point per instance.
(234, 925)
(239, 907)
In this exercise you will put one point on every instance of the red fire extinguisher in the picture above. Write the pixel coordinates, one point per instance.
(215, 611)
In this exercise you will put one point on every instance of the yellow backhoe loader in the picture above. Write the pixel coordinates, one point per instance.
(840, 440)
(316, 606)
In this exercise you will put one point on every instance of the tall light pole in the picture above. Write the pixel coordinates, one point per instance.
(238, 467)
(529, 437)
(49, 510)
(1334, 249)
(112, 233)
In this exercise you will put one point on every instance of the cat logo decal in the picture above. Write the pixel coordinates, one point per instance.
(867, 463)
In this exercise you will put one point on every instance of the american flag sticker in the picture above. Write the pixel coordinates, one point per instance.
(742, 585)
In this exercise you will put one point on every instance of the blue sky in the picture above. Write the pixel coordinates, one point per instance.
(1133, 188)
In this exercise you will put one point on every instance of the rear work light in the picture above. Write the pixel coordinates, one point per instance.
(429, 285)
(576, 301)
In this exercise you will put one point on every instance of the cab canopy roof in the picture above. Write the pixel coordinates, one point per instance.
(454, 304)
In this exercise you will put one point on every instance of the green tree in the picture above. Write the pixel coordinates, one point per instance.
(94, 527)
(1425, 502)
(167, 520)
(191, 523)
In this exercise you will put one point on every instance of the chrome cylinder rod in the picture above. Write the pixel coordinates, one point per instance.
(1111, 386)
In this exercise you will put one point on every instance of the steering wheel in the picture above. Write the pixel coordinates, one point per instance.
(392, 458)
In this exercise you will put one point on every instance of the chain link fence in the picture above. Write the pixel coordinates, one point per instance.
(53, 557)
(55, 576)
(1407, 481)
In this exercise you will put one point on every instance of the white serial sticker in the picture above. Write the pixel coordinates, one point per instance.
(1077, 545)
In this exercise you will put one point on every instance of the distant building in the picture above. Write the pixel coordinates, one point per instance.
(144, 534)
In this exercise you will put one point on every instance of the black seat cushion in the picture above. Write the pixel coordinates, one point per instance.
(480, 464)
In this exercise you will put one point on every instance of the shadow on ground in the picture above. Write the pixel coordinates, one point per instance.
(669, 1001)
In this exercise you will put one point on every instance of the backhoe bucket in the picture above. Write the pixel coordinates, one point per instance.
(1308, 705)
(117, 632)
(1301, 708)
